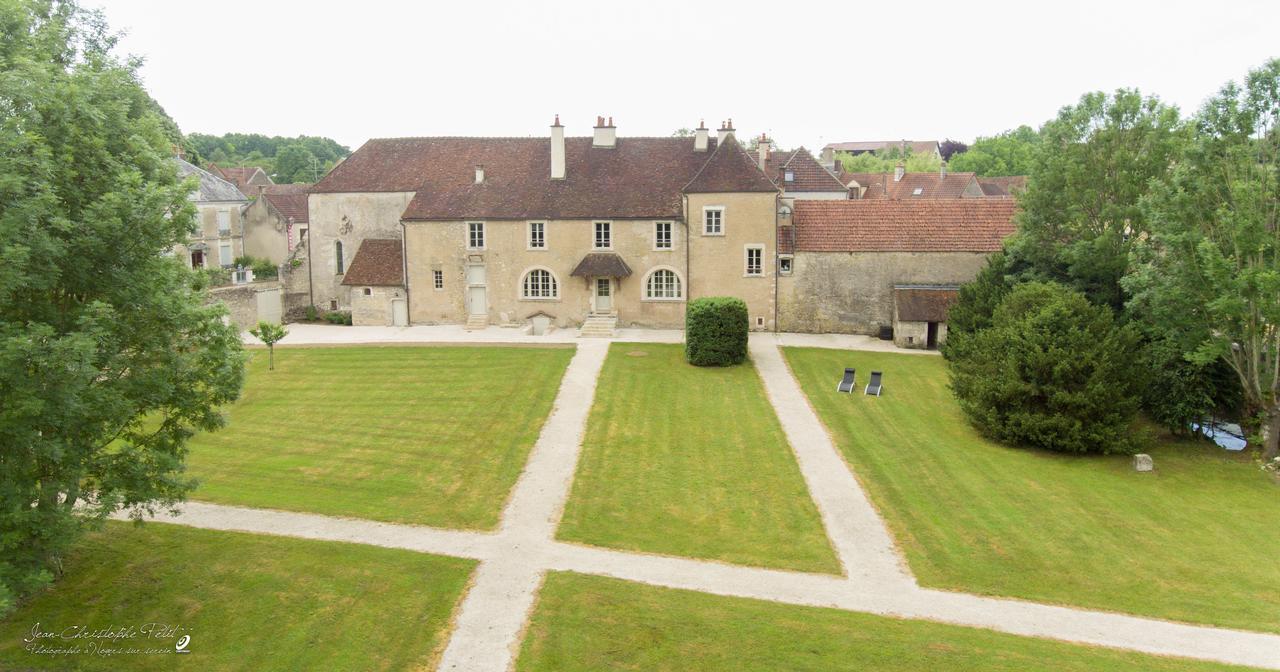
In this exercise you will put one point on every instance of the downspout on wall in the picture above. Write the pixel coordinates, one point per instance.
(404, 274)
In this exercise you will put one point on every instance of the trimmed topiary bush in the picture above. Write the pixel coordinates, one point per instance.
(715, 331)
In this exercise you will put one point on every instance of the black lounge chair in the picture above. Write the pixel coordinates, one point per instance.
(874, 386)
(846, 385)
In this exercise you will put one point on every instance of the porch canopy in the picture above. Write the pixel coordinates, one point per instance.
(601, 265)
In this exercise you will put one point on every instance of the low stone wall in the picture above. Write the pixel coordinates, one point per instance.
(242, 301)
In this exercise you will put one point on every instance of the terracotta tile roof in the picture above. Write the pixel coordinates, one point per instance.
(1002, 186)
(808, 174)
(785, 235)
(728, 170)
(924, 304)
(639, 178)
(290, 200)
(241, 176)
(602, 264)
(882, 225)
(931, 185)
(917, 146)
(378, 263)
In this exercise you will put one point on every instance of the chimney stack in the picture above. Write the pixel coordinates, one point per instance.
(725, 132)
(943, 171)
(898, 171)
(557, 150)
(700, 136)
(605, 134)
(828, 158)
(479, 174)
(763, 151)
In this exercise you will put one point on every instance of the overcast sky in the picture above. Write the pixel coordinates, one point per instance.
(806, 73)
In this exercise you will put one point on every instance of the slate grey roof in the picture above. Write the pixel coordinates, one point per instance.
(212, 187)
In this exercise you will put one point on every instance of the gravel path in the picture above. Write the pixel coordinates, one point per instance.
(514, 560)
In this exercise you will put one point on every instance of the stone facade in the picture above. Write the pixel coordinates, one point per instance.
(247, 304)
(346, 218)
(216, 250)
(852, 292)
(718, 262)
(266, 236)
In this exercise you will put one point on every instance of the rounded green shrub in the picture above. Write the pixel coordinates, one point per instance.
(1051, 371)
(715, 332)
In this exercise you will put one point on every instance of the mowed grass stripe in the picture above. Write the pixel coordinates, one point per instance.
(690, 461)
(1194, 541)
(590, 623)
(249, 602)
(427, 435)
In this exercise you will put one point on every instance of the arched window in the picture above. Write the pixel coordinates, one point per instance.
(663, 284)
(539, 284)
(337, 254)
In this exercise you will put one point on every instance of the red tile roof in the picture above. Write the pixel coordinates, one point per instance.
(639, 178)
(241, 176)
(808, 174)
(931, 185)
(290, 200)
(729, 170)
(378, 263)
(1002, 186)
(934, 225)
(785, 235)
(924, 304)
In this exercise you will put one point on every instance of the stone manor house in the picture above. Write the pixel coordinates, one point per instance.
(603, 231)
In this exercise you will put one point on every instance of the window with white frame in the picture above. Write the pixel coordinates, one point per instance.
(537, 235)
(713, 221)
(225, 257)
(224, 222)
(784, 265)
(662, 235)
(755, 260)
(663, 283)
(539, 284)
(437, 279)
(604, 236)
(475, 235)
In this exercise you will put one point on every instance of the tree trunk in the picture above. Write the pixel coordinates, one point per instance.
(1271, 433)
(271, 358)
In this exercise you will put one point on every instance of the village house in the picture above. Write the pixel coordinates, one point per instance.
(219, 236)
(276, 221)
(246, 178)
(603, 231)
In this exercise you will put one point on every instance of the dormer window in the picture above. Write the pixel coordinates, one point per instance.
(789, 176)
(917, 191)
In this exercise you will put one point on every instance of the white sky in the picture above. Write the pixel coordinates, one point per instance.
(807, 73)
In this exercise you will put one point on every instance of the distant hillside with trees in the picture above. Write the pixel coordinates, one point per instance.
(286, 160)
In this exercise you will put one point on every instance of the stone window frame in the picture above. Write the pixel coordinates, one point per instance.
(746, 260)
(595, 234)
(368, 291)
(340, 266)
(786, 264)
(529, 235)
(671, 235)
(226, 254)
(553, 282)
(223, 213)
(473, 228)
(679, 285)
(437, 279)
(706, 222)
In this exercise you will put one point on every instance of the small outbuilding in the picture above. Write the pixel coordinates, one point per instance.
(920, 314)
(376, 279)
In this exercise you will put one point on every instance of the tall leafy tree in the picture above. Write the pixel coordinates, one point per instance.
(1009, 153)
(109, 358)
(1211, 267)
(296, 163)
(885, 161)
(1080, 214)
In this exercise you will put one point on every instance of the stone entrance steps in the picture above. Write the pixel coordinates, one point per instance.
(476, 322)
(598, 326)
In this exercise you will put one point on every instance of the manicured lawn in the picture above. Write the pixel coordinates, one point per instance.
(429, 435)
(590, 623)
(1194, 541)
(690, 461)
(249, 602)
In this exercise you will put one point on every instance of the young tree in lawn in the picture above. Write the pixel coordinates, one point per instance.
(110, 359)
(1212, 264)
(269, 333)
(1080, 213)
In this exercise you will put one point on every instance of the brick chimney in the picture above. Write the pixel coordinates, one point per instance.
(700, 136)
(828, 158)
(943, 170)
(479, 174)
(605, 134)
(898, 171)
(725, 132)
(763, 151)
(557, 150)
